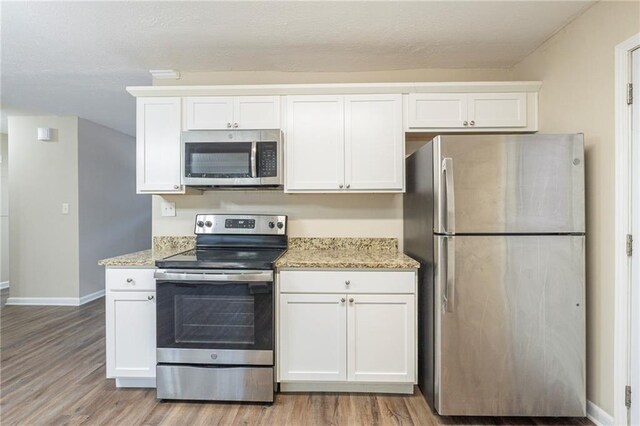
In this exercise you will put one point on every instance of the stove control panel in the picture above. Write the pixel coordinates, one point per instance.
(240, 224)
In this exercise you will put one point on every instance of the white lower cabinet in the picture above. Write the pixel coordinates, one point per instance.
(130, 327)
(351, 337)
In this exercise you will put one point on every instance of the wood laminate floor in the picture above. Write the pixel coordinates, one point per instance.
(52, 371)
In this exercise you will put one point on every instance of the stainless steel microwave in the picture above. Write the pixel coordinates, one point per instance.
(232, 158)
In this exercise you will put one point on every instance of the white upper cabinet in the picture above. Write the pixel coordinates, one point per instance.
(472, 111)
(315, 143)
(374, 142)
(441, 110)
(231, 112)
(158, 145)
(498, 109)
(344, 143)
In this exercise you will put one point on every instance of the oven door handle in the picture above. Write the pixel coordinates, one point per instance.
(221, 276)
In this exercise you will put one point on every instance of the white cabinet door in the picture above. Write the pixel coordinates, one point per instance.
(374, 142)
(497, 109)
(315, 143)
(131, 334)
(208, 112)
(313, 337)
(381, 338)
(256, 112)
(437, 110)
(158, 145)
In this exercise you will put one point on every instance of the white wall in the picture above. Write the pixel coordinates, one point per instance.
(112, 219)
(4, 209)
(577, 69)
(348, 215)
(43, 175)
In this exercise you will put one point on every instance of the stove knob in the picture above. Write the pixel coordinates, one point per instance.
(272, 225)
(200, 224)
(280, 225)
(208, 224)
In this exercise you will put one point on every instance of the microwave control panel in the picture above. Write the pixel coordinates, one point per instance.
(268, 159)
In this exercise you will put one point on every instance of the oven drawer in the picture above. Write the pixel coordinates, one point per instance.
(402, 282)
(253, 384)
(213, 356)
(130, 279)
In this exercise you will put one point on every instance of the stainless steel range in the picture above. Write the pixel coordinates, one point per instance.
(215, 311)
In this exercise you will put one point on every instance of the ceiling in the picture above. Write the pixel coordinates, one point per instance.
(77, 57)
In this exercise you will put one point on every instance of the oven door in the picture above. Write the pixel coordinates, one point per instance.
(215, 317)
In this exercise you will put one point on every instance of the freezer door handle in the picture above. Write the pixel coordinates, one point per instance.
(450, 275)
(447, 171)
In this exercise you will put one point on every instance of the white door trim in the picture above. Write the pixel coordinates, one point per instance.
(622, 226)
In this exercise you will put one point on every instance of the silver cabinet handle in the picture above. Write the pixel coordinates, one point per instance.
(176, 186)
(450, 286)
(340, 186)
(351, 300)
(150, 297)
(343, 300)
(229, 125)
(473, 123)
(465, 123)
(447, 170)
(129, 280)
(235, 125)
(347, 282)
(348, 186)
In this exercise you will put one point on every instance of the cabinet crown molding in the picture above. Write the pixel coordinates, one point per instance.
(338, 89)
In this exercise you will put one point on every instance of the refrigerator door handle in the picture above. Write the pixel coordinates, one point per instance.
(447, 170)
(450, 276)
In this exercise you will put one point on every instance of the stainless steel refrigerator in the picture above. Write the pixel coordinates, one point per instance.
(497, 222)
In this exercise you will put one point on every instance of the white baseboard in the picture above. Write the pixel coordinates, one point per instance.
(90, 297)
(598, 416)
(54, 301)
(4, 284)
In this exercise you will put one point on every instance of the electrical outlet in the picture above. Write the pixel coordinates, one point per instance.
(65, 208)
(168, 209)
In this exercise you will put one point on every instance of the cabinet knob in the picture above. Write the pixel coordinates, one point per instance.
(348, 186)
(351, 300)
(347, 282)
(150, 297)
(229, 125)
(235, 125)
(176, 186)
(129, 280)
(343, 300)
(465, 123)
(340, 186)
(473, 123)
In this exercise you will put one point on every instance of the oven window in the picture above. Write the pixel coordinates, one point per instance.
(214, 316)
(215, 319)
(218, 160)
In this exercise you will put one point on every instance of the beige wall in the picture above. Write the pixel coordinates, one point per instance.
(577, 70)
(350, 215)
(279, 77)
(4, 209)
(42, 176)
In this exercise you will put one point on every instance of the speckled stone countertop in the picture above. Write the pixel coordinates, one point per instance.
(162, 247)
(336, 253)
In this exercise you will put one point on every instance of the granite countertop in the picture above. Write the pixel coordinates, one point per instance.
(162, 247)
(329, 253)
(335, 253)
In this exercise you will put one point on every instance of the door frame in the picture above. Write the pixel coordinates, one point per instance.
(623, 221)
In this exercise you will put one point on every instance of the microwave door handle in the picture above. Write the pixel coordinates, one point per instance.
(254, 159)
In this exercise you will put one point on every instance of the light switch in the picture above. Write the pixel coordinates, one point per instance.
(65, 208)
(168, 208)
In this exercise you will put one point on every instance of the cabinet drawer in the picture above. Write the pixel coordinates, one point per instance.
(347, 282)
(130, 279)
